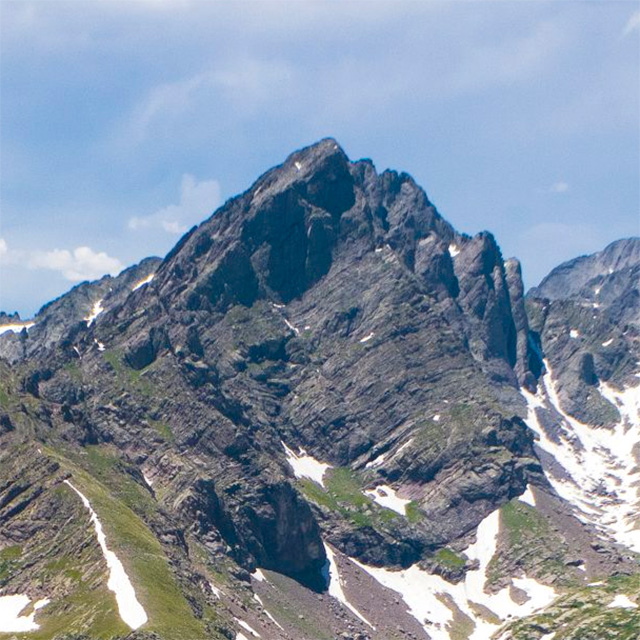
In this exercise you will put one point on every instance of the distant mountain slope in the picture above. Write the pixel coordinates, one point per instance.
(571, 277)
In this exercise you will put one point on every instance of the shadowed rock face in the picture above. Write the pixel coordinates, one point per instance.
(328, 307)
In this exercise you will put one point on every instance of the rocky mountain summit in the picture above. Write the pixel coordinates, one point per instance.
(325, 413)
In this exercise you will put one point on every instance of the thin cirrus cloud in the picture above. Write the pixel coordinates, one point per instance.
(559, 187)
(245, 85)
(633, 24)
(197, 200)
(75, 265)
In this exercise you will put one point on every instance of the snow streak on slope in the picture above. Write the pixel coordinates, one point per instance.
(142, 282)
(332, 576)
(96, 310)
(10, 608)
(436, 603)
(129, 608)
(598, 469)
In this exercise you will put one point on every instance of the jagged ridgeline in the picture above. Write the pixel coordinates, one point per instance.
(325, 414)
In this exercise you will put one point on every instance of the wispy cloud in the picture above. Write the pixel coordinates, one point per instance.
(559, 187)
(244, 85)
(197, 200)
(75, 265)
(633, 24)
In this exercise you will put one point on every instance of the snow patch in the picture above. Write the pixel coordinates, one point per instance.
(367, 337)
(10, 619)
(298, 166)
(528, 497)
(246, 627)
(259, 576)
(607, 342)
(334, 584)
(376, 462)
(129, 608)
(574, 333)
(100, 344)
(427, 595)
(147, 479)
(142, 282)
(622, 601)
(600, 472)
(96, 310)
(16, 327)
(294, 329)
(385, 496)
(454, 250)
(305, 466)
(216, 592)
(436, 418)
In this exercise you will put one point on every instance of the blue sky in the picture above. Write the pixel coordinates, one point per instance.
(124, 123)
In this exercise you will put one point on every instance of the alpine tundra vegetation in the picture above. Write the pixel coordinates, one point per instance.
(326, 413)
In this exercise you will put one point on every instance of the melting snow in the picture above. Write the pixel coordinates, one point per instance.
(305, 466)
(368, 337)
(528, 497)
(294, 329)
(334, 583)
(96, 310)
(258, 599)
(129, 608)
(601, 473)
(100, 344)
(16, 327)
(259, 576)
(142, 282)
(574, 333)
(10, 619)
(431, 598)
(622, 601)
(216, 592)
(385, 496)
(454, 250)
(376, 462)
(147, 479)
(246, 627)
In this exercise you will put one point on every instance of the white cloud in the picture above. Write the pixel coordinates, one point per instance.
(559, 187)
(197, 201)
(633, 24)
(82, 263)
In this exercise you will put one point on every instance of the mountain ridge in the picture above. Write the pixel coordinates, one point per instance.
(323, 371)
